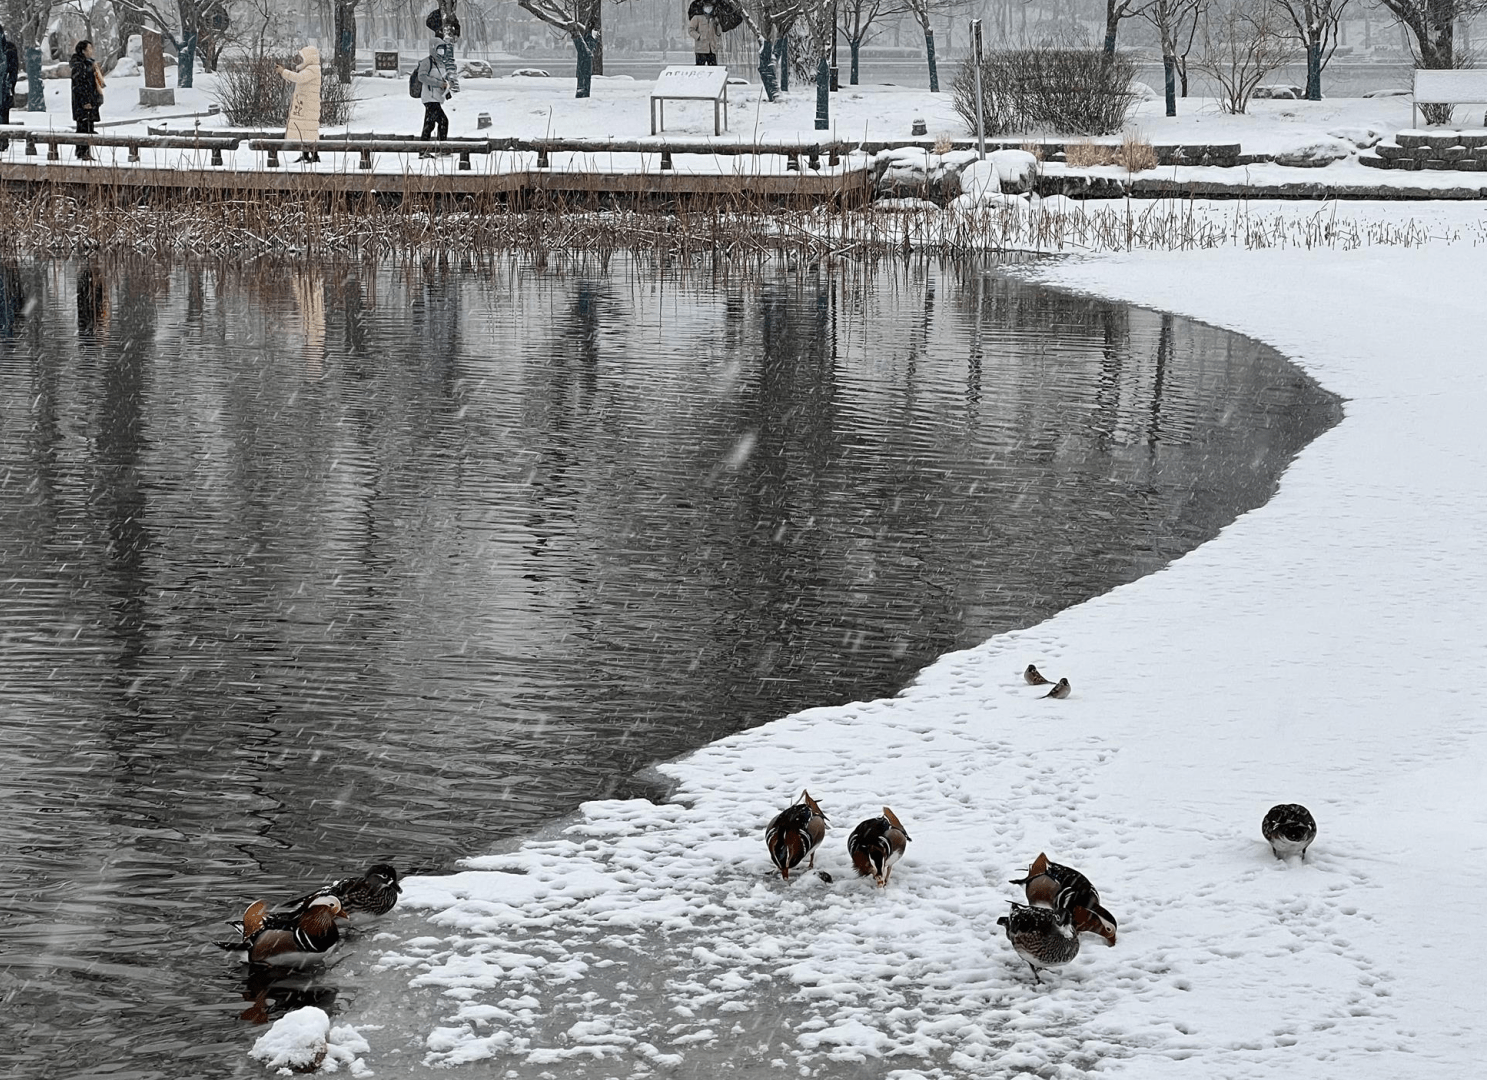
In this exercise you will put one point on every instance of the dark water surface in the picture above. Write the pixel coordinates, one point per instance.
(301, 570)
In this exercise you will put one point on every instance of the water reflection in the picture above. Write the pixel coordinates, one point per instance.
(307, 567)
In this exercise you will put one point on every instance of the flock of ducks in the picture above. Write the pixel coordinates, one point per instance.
(1061, 903)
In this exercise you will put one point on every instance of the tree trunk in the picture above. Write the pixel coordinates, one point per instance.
(1314, 70)
(766, 69)
(186, 60)
(929, 51)
(855, 47)
(345, 40)
(583, 46)
(1169, 77)
(35, 91)
(782, 62)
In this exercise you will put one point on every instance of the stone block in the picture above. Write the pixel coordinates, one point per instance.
(1474, 138)
(1411, 138)
(1436, 164)
(153, 96)
(1439, 140)
(1390, 151)
(1372, 161)
(1452, 153)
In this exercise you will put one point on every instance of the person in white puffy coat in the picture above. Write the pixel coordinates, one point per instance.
(304, 107)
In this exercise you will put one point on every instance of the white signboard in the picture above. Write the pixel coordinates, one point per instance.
(700, 83)
(691, 82)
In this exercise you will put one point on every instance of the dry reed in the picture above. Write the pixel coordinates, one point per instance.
(1084, 155)
(1135, 154)
(731, 232)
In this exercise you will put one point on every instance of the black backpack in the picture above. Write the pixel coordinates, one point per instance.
(415, 88)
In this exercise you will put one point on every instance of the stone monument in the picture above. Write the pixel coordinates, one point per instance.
(154, 91)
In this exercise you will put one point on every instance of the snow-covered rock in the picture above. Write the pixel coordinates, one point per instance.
(1016, 169)
(475, 69)
(1144, 92)
(1361, 137)
(1393, 91)
(530, 73)
(126, 67)
(991, 200)
(1318, 152)
(1280, 92)
(304, 1041)
(978, 179)
(297, 1041)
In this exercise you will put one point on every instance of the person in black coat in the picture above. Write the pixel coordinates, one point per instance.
(10, 70)
(87, 92)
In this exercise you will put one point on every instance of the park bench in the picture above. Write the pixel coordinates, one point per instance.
(691, 84)
(54, 139)
(367, 147)
(1456, 86)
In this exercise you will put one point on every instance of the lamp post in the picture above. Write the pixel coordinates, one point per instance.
(980, 102)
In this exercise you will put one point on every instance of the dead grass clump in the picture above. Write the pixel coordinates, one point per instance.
(1088, 154)
(1037, 149)
(944, 144)
(1135, 154)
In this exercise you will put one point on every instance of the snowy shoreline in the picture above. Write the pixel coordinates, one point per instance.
(1309, 653)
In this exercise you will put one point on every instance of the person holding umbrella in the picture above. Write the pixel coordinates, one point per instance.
(703, 29)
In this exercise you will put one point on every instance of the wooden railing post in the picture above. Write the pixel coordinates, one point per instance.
(366, 160)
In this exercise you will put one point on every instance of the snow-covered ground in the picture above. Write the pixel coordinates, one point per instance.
(1322, 650)
(619, 108)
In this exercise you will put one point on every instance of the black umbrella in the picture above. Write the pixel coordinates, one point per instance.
(727, 15)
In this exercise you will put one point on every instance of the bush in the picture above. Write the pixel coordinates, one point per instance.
(252, 93)
(1063, 91)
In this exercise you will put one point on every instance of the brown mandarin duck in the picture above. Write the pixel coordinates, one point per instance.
(313, 935)
(1052, 885)
(794, 834)
(876, 844)
(1290, 829)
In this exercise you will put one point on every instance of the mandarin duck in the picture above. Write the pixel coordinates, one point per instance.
(1033, 677)
(1290, 828)
(1060, 690)
(1044, 937)
(313, 934)
(1053, 885)
(794, 834)
(876, 844)
(373, 894)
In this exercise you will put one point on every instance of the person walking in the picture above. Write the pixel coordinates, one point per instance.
(703, 29)
(87, 94)
(434, 79)
(304, 106)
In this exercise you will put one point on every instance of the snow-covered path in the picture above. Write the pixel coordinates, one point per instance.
(1323, 650)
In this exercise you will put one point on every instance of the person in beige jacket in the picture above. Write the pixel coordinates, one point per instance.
(703, 29)
(304, 107)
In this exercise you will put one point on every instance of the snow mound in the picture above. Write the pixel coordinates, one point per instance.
(978, 179)
(1144, 92)
(304, 1041)
(1361, 137)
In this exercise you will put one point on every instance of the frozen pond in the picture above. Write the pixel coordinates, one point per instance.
(306, 569)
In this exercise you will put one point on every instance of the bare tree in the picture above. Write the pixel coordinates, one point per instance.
(1244, 41)
(856, 19)
(1115, 11)
(768, 21)
(580, 21)
(922, 10)
(33, 18)
(1317, 24)
(1176, 23)
(1432, 24)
